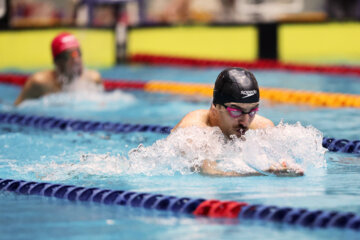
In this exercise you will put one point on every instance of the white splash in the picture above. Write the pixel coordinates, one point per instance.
(82, 85)
(82, 95)
(185, 148)
(293, 144)
(89, 165)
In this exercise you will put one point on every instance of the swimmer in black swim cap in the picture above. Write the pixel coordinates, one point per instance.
(234, 107)
(234, 110)
(236, 85)
(236, 93)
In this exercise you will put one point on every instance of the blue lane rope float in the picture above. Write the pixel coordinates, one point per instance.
(341, 145)
(196, 206)
(78, 125)
(104, 196)
(332, 144)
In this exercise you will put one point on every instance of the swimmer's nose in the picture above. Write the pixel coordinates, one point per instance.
(77, 63)
(77, 59)
(244, 119)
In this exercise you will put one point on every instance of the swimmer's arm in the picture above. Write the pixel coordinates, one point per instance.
(32, 89)
(98, 79)
(95, 77)
(210, 168)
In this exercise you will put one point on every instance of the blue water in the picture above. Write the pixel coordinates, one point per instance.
(103, 160)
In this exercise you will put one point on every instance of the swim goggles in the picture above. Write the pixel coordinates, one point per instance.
(235, 113)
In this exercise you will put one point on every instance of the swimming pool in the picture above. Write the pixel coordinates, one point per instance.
(103, 160)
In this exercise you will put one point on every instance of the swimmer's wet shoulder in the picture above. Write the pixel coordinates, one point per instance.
(37, 85)
(201, 118)
(197, 118)
(45, 79)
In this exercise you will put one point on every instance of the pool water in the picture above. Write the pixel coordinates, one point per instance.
(154, 162)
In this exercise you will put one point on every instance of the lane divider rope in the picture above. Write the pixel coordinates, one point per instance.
(198, 207)
(332, 144)
(78, 125)
(316, 99)
(341, 145)
(319, 99)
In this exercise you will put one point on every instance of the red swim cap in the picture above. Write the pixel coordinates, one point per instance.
(62, 42)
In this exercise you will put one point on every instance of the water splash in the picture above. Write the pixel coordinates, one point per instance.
(89, 166)
(82, 95)
(188, 147)
(82, 85)
(293, 144)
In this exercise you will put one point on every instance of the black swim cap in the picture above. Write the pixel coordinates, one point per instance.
(236, 85)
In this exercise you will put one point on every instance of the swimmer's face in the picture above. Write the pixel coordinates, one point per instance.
(69, 63)
(236, 123)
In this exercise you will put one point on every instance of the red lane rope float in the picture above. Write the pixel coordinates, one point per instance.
(316, 99)
(20, 80)
(219, 209)
(260, 64)
(123, 84)
(15, 79)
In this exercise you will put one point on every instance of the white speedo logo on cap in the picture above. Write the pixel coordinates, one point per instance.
(248, 93)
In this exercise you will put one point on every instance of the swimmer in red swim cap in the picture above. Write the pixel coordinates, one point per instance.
(234, 110)
(66, 54)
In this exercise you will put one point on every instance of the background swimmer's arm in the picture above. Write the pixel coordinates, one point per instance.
(261, 122)
(95, 77)
(196, 118)
(32, 89)
(210, 168)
